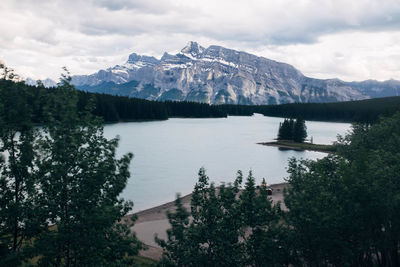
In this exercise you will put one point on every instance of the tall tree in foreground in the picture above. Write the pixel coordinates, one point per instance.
(80, 182)
(224, 227)
(212, 238)
(344, 209)
(19, 211)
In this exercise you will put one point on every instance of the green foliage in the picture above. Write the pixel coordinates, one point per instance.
(363, 111)
(20, 213)
(121, 108)
(343, 209)
(212, 236)
(299, 130)
(60, 184)
(293, 130)
(81, 181)
(222, 228)
(285, 131)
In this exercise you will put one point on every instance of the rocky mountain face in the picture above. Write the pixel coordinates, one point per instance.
(218, 75)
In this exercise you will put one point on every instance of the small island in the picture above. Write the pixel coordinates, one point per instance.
(292, 135)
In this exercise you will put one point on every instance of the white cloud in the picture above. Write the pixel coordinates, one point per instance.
(348, 56)
(351, 40)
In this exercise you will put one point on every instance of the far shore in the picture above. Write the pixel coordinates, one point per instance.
(154, 221)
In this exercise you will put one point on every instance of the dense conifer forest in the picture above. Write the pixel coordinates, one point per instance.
(120, 108)
(60, 183)
(368, 110)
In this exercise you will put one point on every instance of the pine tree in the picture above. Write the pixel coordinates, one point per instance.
(286, 130)
(299, 130)
(177, 248)
(81, 180)
(213, 236)
(19, 212)
(292, 130)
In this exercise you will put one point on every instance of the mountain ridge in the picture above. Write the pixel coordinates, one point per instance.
(219, 75)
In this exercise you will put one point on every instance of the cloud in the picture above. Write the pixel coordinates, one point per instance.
(38, 37)
(154, 7)
(348, 56)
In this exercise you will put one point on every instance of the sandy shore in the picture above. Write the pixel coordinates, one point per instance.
(154, 221)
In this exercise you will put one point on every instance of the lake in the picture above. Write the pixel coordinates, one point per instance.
(168, 154)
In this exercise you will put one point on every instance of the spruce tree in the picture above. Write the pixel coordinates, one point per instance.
(80, 182)
(299, 130)
(20, 214)
(286, 130)
(213, 236)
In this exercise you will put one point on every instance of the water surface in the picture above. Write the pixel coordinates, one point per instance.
(168, 154)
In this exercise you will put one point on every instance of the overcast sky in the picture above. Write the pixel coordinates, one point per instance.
(350, 40)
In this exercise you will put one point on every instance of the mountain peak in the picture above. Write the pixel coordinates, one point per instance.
(192, 49)
(145, 60)
(220, 75)
(46, 83)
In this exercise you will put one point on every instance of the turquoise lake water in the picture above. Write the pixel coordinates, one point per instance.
(168, 154)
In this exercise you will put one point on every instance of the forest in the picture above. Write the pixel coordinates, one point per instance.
(120, 108)
(368, 110)
(60, 187)
(60, 183)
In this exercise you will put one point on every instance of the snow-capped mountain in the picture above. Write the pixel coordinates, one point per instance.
(219, 75)
(47, 82)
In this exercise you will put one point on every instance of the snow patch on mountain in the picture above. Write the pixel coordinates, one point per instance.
(220, 75)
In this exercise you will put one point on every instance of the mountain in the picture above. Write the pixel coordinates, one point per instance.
(47, 82)
(219, 75)
(375, 89)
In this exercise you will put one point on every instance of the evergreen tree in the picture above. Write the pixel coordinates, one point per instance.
(292, 130)
(80, 181)
(343, 209)
(286, 130)
(248, 202)
(299, 130)
(177, 249)
(19, 211)
(225, 229)
(213, 236)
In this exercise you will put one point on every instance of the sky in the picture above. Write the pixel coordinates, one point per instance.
(350, 40)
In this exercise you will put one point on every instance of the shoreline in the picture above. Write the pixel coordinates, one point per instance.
(300, 146)
(154, 221)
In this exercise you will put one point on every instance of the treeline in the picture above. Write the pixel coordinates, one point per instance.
(368, 110)
(342, 210)
(110, 108)
(120, 108)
